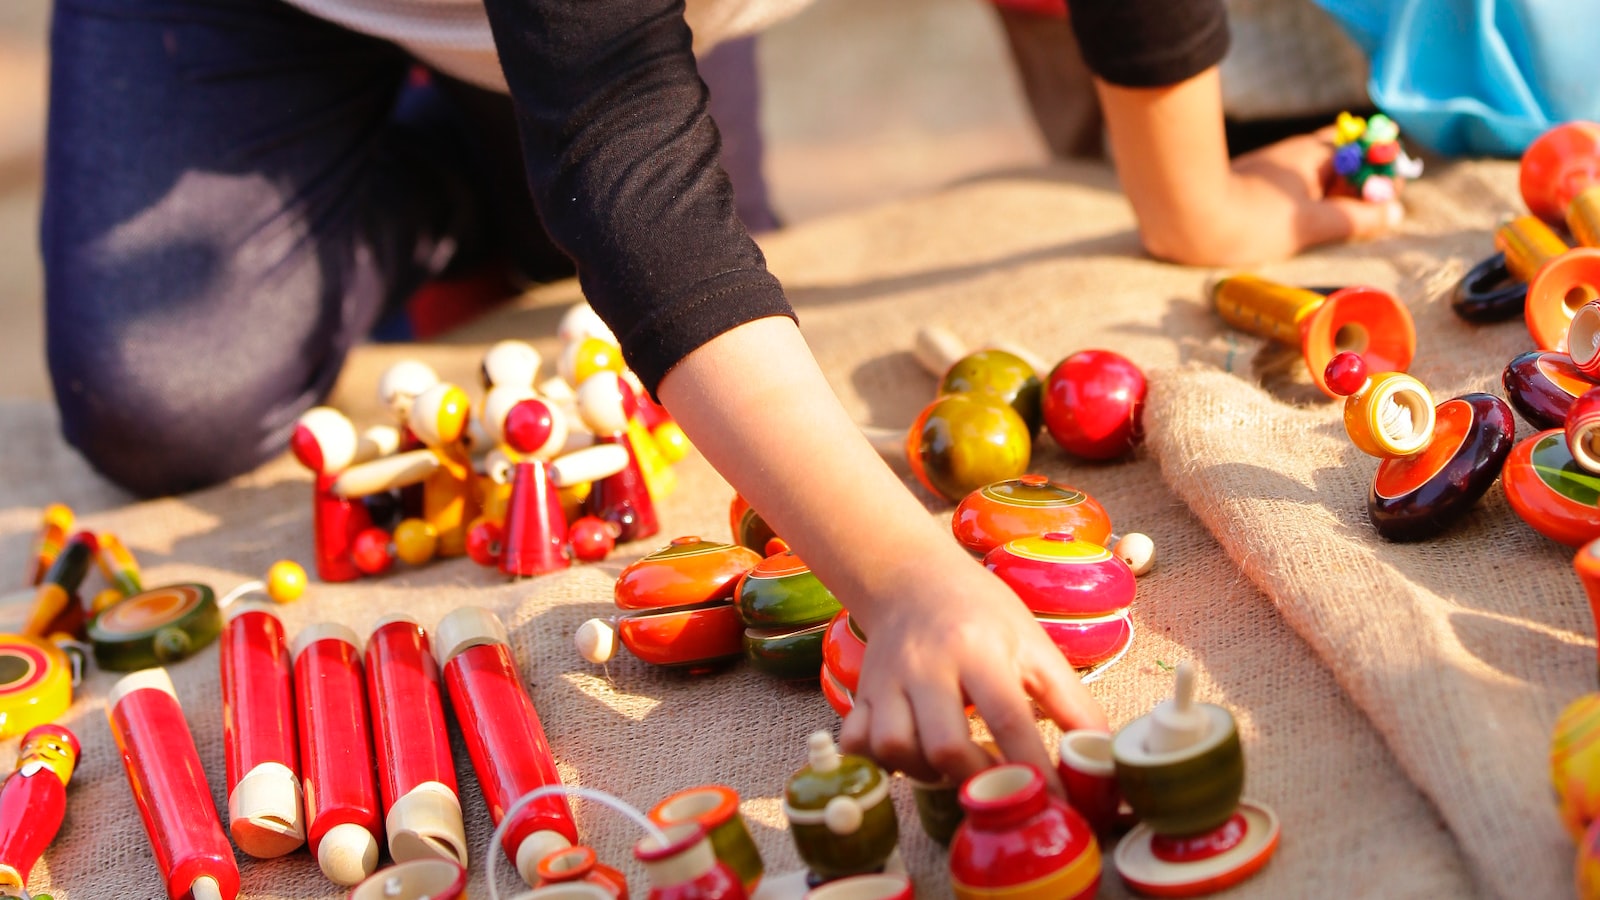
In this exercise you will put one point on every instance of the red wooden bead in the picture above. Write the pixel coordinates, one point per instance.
(1093, 404)
(370, 551)
(1346, 373)
(485, 543)
(592, 538)
(529, 425)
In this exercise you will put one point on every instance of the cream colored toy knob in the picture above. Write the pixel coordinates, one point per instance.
(1178, 724)
(596, 640)
(843, 815)
(1137, 550)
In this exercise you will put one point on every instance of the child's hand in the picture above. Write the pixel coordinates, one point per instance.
(958, 633)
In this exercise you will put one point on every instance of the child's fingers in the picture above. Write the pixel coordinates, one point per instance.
(855, 735)
(1345, 218)
(944, 733)
(893, 742)
(1056, 688)
(1010, 718)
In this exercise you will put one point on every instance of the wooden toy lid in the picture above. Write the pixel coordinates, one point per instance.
(1193, 869)
(35, 683)
(1023, 507)
(420, 879)
(687, 572)
(1550, 491)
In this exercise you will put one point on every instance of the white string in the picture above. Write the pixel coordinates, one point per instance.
(551, 790)
(249, 587)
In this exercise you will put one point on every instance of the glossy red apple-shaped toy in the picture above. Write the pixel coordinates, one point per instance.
(1094, 403)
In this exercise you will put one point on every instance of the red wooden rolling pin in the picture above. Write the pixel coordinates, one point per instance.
(416, 775)
(341, 794)
(503, 734)
(33, 802)
(258, 734)
(170, 788)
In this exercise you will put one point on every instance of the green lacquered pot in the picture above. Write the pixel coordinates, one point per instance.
(717, 808)
(840, 813)
(789, 653)
(160, 626)
(938, 809)
(1184, 792)
(1000, 374)
(782, 591)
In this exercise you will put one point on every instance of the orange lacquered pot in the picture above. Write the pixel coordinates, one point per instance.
(687, 572)
(749, 529)
(843, 648)
(1550, 491)
(684, 637)
(1026, 507)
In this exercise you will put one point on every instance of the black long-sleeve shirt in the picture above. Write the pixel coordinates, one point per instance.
(622, 155)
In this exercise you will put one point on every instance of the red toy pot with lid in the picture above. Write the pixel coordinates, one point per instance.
(1079, 591)
(1019, 841)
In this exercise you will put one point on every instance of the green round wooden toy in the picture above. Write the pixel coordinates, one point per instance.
(840, 813)
(786, 610)
(961, 442)
(1002, 375)
(160, 626)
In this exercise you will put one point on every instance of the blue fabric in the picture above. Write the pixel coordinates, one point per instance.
(1478, 76)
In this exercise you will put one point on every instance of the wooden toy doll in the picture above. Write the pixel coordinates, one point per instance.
(494, 483)
(624, 498)
(325, 442)
(397, 389)
(839, 812)
(33, 802)
(57, 594)
(510, 363)
(56, 524)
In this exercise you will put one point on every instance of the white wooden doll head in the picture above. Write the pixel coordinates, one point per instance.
(324, 441)
(581, 321)
(439, 415)
(513, 363)
(401, 384)
(496, 404)
(601, 403)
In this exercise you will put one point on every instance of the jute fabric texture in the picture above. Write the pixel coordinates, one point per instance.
(1393, 702)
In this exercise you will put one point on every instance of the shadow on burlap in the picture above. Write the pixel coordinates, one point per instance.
(1045, 258)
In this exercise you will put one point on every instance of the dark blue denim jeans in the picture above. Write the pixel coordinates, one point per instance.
(235, 192)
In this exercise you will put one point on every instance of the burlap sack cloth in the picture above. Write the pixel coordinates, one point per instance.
(1460, 658)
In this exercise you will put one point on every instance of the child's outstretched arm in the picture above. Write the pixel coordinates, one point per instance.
(1196, 207)
(939, 625)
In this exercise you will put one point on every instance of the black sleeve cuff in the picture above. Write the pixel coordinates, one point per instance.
(1150, 43)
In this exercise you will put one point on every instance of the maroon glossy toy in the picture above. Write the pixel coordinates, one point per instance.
(504, 736)
(344, 826)
(325, 442)
(1094, 403)
(33, 801)
(169, 787)
(258, 734)
(1542, 386)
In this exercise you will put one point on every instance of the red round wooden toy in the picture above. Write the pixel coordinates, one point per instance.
(1542, 387)
(1558, 166)
(843, 648)
(961, 442)
(1550, 491)
(370, 551)
(592, 539)
(687, 572)
(1094, 404)
(1025, 507)
(1079, 591)
(1018, 840)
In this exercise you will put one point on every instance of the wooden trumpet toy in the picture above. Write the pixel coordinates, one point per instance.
(504, 736)
(1363, 320)
(1437, 460)
(265, 813)
(33, 801)
(169, 786)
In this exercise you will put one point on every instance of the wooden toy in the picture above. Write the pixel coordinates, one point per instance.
(370, 551)
(324, 441)
(169, 786)
(1181, 770)
(1437, 460)
(160, 626)
(33, 801)
(839, 812)
(1078, 590)
(670, 442)
(959, 443)
(53, 530)
(1089, 775)
(624, 498)
(57, 592)
(1575, 763)
(1497, 288)
(265, 814)
(416, 775)
(750, 530)
(882, 886)
(1588, 864)
(343, 822)
(1551, 491)
(677, 605)
(510, 362)
(398, 388)
(681, 865)
(1363, 320)
(996, 373)
(785, 610)
(843, 648)
(1018, 840)
(439, 418)
(415, 542)
(587, 356)
(1558, 166)
(1542, 387)
(1094, 404)
(117, 564)
(1586, 562)
(35, 683)
(504, 736)
(419, 879)
(1368, 161)
(1026, 507)
(1557, 291)
(591, 539)
(581, 321)
(579, 864)
(716, 808)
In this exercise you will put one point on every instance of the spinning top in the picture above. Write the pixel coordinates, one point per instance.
(1437, 460)
(1094, 404)
(1181, 770)
(994, 371)
(839, 812)
(35, 684)
(1363, 320)
(961, 442)
(1077, 589)
(1027, 507)
(1542, 387)
(677, 605)
(1497, 287)
(160, 626)
(785, 609)
(1551, 491)
(1575, 761)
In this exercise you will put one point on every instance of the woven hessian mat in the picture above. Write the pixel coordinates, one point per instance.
(1460, 659)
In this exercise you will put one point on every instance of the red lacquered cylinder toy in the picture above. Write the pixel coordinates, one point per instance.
(258, 734)
(684, 867)
(504, 736)
(416, 775)
(1019, 841)
(169, 786)
(33, 802)
(344, 825)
